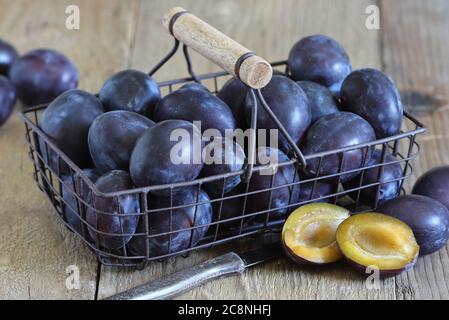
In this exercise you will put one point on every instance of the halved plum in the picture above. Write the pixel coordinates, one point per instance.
(308, 234)
(377, 241)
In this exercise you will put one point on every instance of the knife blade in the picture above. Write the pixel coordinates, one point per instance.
(264, 253)
(182, 281)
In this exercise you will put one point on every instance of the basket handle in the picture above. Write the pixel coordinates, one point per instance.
(251, 69)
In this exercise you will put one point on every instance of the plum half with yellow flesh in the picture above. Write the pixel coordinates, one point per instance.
(308, 234)
(377, 241)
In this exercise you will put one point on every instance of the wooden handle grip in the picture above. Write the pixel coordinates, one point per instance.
(253, 70)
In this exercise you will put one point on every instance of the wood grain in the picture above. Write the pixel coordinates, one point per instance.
(270, 29)
(415, 55)
(35, 248)
(411, 46)
(217, 47)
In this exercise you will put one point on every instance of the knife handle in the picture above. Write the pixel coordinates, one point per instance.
(182, 281)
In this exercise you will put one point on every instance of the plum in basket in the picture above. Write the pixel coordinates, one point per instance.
(113, 220)
(175, 223)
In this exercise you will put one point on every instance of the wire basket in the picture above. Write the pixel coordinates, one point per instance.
(167, 231)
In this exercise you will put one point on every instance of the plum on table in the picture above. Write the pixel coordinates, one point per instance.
(434, 184)
(112, 137)
(8, 54)
(131, 90)
(40, 76)
(113, 220)
(428, 219)
(320, 59)
(7, 99)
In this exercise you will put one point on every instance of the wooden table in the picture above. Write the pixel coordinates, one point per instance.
(35, 249)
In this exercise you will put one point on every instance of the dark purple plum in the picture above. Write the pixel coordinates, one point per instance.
(193, 216)
(8, 54)
(193, 103)
(231, 208)
(289, 103)
(388, 189)
(66, 122)
(53, 160)
(428, 219)
(112, 137)
(113, 219)
(168, 152)
(273, 177)
(434, 184)
(373, 95)
(131, 90)
(321, 100)
(221, 156)
(70, 203)
(195, 86)
(338, 130)
(233, 93)
(320, 59)
(7, 99)
(41, 75)
(321, 190)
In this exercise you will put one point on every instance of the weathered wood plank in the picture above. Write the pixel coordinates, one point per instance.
(35, 249)
(269, 28)
(416, 45)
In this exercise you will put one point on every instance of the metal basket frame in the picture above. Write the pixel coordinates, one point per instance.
(53, 182)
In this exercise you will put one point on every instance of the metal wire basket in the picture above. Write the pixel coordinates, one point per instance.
(71, 191)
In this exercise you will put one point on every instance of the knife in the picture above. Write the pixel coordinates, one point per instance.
(182, 281)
